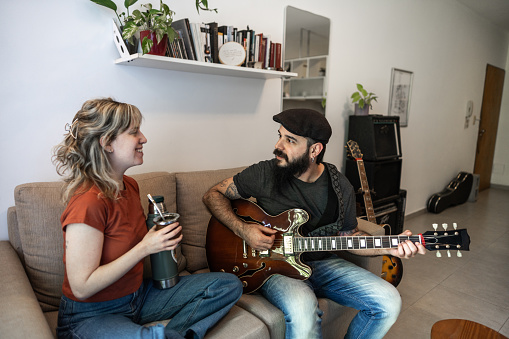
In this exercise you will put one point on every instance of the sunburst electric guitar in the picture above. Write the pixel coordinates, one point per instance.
(392, 267)
(226, 252)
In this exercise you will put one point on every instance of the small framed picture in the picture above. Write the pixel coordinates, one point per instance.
(401, 91)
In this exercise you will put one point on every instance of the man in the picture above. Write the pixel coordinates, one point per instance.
(298, 178)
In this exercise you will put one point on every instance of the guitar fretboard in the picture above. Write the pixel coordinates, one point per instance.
(370, 212)
(316, 244)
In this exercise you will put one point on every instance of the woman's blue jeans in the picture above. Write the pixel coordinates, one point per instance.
(378, 302)
(194, 305)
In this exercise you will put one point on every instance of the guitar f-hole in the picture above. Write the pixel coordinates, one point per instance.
(250, 273)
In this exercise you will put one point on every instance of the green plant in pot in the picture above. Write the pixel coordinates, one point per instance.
(153, 24)
(362, 100)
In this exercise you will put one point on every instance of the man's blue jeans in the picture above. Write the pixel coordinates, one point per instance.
(378, 302)
(194, 305)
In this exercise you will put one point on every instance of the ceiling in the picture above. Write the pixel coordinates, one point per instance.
(496, 11)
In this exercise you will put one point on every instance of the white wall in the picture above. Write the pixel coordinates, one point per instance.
(65, 56)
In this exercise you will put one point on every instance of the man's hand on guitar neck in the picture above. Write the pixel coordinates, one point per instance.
(407, 249)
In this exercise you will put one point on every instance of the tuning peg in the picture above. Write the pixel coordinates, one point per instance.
(444, 226)
(455, 225)
(448, 253)
(439, 255)
(435, 226)
(459, 254)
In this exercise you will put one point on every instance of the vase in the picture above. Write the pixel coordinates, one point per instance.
(157, 48)
(361, 111)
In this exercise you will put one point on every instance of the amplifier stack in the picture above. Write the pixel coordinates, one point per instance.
(379, 141)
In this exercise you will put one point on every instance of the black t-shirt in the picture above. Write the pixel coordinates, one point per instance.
(258, 181)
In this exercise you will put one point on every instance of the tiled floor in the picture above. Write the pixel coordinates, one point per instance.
(474, 287)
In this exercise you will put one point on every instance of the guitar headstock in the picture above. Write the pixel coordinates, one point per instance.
(353, 149)
(456, 239)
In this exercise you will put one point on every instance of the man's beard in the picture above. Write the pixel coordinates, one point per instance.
(283, 174)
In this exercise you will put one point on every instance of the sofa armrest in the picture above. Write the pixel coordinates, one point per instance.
(20, 313)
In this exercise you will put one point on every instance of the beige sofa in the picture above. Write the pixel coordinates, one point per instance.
(31, 272)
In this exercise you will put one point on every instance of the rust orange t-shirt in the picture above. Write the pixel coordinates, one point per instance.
(123, 223)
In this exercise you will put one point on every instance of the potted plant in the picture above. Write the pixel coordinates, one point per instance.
(154, 25)
(362, 100)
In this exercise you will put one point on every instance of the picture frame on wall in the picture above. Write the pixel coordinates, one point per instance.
(401, 92)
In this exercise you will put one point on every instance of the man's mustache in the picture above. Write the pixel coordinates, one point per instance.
(279, 153)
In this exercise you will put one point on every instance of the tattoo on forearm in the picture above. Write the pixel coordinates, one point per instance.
(347, 233)
(231, 192)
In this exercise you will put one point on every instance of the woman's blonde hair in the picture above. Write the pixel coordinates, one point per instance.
(81, 158)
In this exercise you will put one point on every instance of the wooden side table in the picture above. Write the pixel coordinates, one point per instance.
(462, 329)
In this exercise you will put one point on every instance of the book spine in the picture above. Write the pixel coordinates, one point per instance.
(214, 44)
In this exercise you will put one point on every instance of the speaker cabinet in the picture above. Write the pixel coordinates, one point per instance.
(377, 136)
(384, 177)
(389, 211)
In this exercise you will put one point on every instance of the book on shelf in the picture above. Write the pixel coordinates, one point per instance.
(183, 29)
(266, 56)
(278, 57)
(227, 33)
(214, 43)
(205, 40)
(220, 40)
(198, 47)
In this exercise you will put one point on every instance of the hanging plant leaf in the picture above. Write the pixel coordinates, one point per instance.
(106, 3)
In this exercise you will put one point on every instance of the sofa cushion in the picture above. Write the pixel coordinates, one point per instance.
(38, 209)
(194, 215)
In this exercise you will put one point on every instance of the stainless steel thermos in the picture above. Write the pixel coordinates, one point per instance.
(164, 264)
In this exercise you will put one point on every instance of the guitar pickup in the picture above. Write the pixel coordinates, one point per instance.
(288, 244)
(264, 254)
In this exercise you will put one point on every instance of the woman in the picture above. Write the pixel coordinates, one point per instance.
(106, 240)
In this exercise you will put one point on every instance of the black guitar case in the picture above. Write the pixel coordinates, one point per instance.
(456, 193)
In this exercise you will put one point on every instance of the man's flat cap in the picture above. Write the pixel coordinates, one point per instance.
(305, 123)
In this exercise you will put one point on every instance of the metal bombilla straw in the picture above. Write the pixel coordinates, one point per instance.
(155, 206)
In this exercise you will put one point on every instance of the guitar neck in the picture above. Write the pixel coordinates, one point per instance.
(338, 243)
(370, 212)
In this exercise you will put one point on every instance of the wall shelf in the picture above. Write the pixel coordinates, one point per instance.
(182, 65)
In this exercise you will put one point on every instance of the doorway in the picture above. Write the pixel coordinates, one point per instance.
(488, 124)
